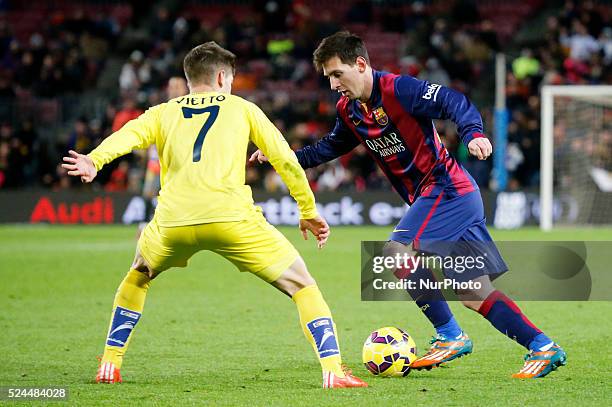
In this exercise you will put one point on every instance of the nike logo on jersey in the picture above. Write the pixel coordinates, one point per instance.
(401, 230)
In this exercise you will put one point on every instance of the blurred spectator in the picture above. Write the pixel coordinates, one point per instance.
(605, 43)
(75, 70)
(51, 80)
(129, 112)
(162, 26)
(580, 43)
(333, 177)
(119, 178)
(80, 138)
(525, 65)
(136, 72)
(274, 14)
(434, 73)
(488, 35)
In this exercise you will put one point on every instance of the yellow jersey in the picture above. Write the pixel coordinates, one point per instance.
(202, 141)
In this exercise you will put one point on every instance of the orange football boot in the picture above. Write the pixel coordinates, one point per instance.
(443, 350)
(540, 363)
(332, 381)
(108, 373)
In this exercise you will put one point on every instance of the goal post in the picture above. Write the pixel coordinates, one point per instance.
(583, 116)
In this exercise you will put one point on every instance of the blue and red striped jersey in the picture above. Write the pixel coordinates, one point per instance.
(396, 127)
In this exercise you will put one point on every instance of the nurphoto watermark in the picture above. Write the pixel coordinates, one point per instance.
(535, 270)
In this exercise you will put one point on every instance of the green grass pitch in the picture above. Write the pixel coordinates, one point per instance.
(210, 335)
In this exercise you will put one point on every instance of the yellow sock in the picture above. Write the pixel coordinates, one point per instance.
(319, 328)
(127, 309)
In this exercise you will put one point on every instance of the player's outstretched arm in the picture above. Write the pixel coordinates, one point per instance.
(480, 148)
(433, 101)
(339, 142)
(318, 227)
(80, 165)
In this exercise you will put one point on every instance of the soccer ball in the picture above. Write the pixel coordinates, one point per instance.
(388, 352)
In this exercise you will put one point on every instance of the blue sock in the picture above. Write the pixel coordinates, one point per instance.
(450, 329)
(508, 319)
(539, 342)
(433, 304)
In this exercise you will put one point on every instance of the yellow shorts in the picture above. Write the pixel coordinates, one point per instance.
(253, 245)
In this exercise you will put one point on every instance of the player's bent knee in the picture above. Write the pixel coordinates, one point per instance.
(294, 278)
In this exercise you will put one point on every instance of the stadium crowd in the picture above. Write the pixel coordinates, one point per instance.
(46, 74)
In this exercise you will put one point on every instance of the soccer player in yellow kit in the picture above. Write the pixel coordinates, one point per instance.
(204, 204)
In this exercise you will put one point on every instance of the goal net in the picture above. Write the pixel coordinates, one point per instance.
(576, 156)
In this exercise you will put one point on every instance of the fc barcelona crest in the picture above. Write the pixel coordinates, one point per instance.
(380, 116)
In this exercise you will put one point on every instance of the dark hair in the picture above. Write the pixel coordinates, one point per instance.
(201, 63)
(342, 44)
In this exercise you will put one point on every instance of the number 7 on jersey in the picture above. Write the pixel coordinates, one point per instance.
(213, 112)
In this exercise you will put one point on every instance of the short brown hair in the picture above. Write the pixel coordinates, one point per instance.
(342, 44)
(201, 63)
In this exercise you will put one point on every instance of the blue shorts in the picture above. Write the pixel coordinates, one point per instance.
(451, 227)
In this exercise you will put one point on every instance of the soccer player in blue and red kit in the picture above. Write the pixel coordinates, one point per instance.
(391, 115)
